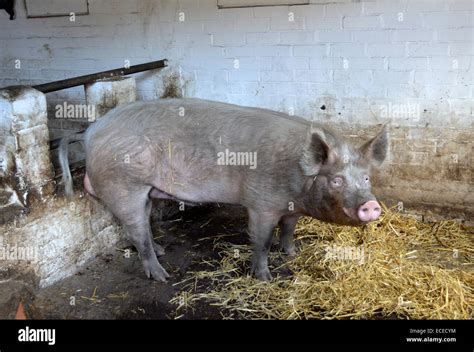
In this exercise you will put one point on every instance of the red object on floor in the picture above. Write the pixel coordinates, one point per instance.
(20, 312)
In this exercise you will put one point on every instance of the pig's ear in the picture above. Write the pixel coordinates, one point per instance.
(316, 152)
(375, 150)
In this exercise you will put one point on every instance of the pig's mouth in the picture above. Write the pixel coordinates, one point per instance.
(352, 214)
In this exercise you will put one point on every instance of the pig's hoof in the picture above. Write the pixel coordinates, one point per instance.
(262, 274)
(155, 271)
(289, 250)
(159, 250)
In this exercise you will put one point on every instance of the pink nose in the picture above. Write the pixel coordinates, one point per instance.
(369, 211)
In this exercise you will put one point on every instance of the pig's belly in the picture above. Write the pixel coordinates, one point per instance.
(212, 195)
(195, 177)
(205, 192)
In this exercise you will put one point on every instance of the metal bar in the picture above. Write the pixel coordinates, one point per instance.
(81, 80)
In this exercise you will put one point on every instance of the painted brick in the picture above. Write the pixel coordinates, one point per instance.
(401, 20)
(334, 36)
(427, 50)
(457, 5)
(249, 51)
(227, 14)
(312, 11)
(450, 64)
(251, 25)
(413, 35)
(348, 50)
(284, 25)
(324, 23)
(265, 38)
(311, 51)
(459, 49)
(363, 22)
(456, 35)
(312, 76)
(271, 11)
(212, 75)
(208, 51)
(238, 51)
(384, 6)
(246, 76)
(290, 63)
(453, 19)
(255, 63)
(365, 63)
(297, 37)
(226, 38)
(390, 77)
(426, 6)
(406, 64)
(277, 76)
(218, 26)
(426, 77)
(326, 63)
(386, 50)
(273, 50)
(350, 9)
(380, 36)
(362, 77)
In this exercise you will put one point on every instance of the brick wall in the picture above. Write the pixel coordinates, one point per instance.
(349, 64)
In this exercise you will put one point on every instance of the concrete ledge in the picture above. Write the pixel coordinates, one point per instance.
(54, 241)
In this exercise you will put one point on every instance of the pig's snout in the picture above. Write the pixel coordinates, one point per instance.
(369, 211)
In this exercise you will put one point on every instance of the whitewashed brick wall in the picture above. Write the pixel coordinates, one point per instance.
(394, 50)
(351, 58)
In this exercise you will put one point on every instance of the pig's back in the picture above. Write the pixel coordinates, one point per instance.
(175, 143)
(198, 120)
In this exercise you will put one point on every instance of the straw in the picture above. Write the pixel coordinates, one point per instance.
(395, 267)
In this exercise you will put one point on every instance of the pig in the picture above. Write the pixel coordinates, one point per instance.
(186, 149)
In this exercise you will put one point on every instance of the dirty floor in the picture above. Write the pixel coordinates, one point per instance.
(115, 287)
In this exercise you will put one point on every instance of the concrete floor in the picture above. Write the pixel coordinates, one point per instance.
(115, 287)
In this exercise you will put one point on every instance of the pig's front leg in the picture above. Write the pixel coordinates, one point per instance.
(261, 225)
(287, 228)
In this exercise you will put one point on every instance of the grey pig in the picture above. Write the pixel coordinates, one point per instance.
(279, 167)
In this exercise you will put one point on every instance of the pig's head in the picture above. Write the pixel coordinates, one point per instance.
(341, 191)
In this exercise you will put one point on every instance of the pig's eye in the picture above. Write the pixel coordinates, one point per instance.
(366, 179)
(337, 182)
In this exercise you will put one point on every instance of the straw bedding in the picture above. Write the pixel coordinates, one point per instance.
(395, 267)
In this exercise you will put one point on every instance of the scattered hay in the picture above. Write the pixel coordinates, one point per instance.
(396, 267)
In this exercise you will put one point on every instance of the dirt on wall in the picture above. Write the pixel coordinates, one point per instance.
(172, 86)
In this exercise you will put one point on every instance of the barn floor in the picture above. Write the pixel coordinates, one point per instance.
(115, 287)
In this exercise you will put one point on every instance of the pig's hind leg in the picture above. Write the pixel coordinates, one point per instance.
(159, 250)
(132, 206)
